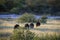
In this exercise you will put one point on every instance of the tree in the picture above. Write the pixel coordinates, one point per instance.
(27, 18)
(19, 3)
(2, 1)
(54, 2)
(15, 10)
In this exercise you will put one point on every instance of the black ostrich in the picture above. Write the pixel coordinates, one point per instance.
(38, 24)
(16, 26)
(27, 26)
(31, 25)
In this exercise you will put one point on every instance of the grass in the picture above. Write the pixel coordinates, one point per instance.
(23, 34)
(38, 34)
(46, 37)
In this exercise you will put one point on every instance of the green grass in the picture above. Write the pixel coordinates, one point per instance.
(23, 34)
(48, 37)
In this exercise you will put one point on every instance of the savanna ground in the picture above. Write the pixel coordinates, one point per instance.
(52, 27)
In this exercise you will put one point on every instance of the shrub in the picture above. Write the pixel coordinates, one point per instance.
(43, 19)
(27, 18)
(14, 10)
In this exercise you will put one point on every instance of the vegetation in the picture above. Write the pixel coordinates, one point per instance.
(24, 34)
(27, 18)
(3, 39)
(43, 19)
(32, 6)
(31, 18)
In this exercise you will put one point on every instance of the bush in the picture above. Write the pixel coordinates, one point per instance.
(27, 18)
(22, 34)
(14, 10)
(43, 19)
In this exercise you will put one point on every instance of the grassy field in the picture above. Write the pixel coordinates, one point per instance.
(52, 27)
